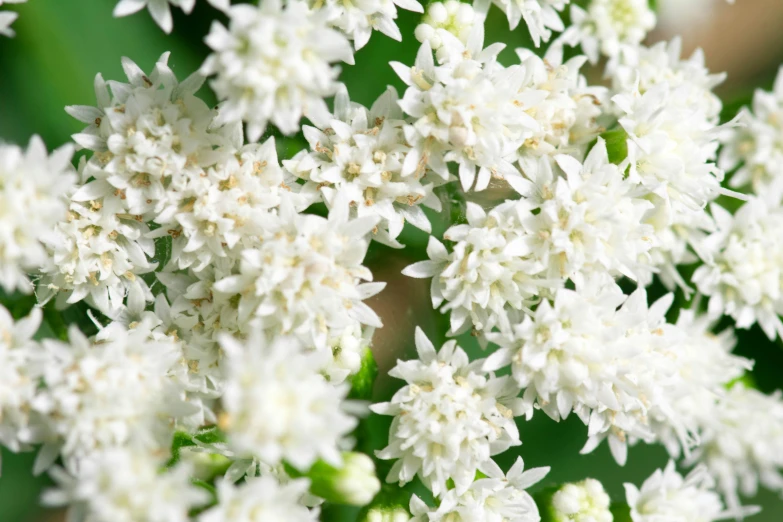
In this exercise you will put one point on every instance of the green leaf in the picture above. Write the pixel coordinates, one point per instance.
(621, 513)
(363, 382)
(183, 439)
(616, 144)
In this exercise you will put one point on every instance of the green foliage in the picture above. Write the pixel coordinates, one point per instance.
(616, 144)
(363, 382)
(182, 439)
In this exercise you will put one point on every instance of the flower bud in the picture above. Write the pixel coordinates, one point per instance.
(354, 483)
(584, 501)
(387, 514)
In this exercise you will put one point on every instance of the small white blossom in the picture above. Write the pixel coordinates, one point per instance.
(756, 146)
(452, 16)
(227, 208)
(468, 110)
(160, 10)
(488, 271)
(306, 277)
(589, 219)
(8, 17)
(645, 67)
(742, 443)
(666, 495)
(497, 498)
(358, 157)
(604, 27)
(584, 501)
(705, 366)
(110, 392)
(571, 226)
(743, 275)
(33, 184)
(541, 16)
(125, 486)
(357, 20)
(274, 65)
(609, 358)
(99, 253)
(19, 372)
(277, 405)
(260, 499)
(449, 419)
(146, 134)
(567, 109)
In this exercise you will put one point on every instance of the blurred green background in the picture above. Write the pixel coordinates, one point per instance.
(61, 45)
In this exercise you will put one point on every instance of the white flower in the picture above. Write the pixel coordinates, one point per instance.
(566, 111)
(497, 498)
(742, 443)
(616, 368)
(227, 208)
(743, 274)
(98, 252)
(358, 157)
(584, 501)
(19, 371)
(606, 26)
(488, 271)
(451, 16)
(110, 392)
(705, 365)
(160, 10)
(469, 110)
(347, 352)
(6, 19)
(449, 419)
(589, 219)
(756, 146)
(277, 405)
(667, 496)
(146, 135)
(671, 147)
(33, 184)
(274, 64)
(645, 67)
(306, 277)
(125, 486)
(260, 499)
(357, 20)
(569, 227)
(541, 16)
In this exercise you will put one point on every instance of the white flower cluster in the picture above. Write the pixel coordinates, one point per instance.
(161, 11)
(274, 65)
(666, 495)
(499, 496)
(605, 27)
(579, 221)
(584, 501)
(742, 438)
(470, 110)
(33, 183)
(743, 274)
(235, 322)
(450, 418)
(358, 157)
(756, 148)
